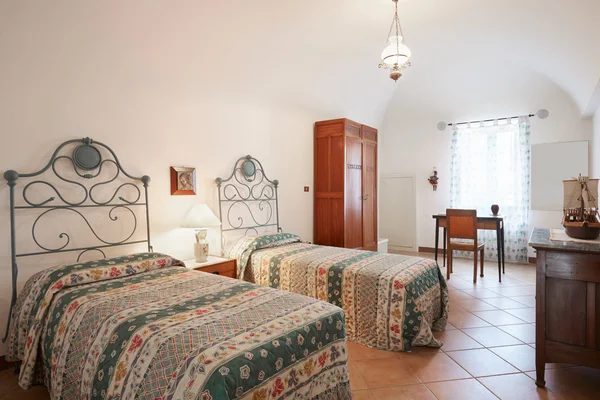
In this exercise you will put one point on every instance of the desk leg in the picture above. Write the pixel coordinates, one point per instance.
(503, 251)
(437, 238)
(499, 246)
(444, 247)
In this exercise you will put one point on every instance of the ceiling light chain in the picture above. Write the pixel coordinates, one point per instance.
(396, 55)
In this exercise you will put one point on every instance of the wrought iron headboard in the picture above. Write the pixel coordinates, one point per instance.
(248, 199)
(87, 163)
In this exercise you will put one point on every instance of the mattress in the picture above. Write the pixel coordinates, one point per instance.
(145, 327)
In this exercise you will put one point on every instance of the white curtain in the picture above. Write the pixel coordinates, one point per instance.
(491, 165)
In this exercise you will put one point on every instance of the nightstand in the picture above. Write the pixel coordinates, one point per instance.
(215, 265)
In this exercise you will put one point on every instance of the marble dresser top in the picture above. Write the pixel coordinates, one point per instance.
(540, 239)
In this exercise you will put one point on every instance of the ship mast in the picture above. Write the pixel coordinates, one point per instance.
(581, 214)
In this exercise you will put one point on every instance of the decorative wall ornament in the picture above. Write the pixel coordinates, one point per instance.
(183, 181)
(433, 179)
(396, 55)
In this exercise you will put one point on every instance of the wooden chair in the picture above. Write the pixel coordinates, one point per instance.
(462, 225)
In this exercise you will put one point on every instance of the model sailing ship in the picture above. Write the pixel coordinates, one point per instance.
(580, 217)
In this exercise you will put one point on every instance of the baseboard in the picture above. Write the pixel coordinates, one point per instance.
(532, 260)
(5, 364)
(430, 250)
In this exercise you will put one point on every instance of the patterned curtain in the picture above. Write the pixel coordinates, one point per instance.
(491, 165)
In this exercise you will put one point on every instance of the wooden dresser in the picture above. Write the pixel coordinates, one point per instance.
(567, 302)
(345, 185)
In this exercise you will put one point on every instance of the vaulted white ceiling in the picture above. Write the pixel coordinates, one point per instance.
(315, 54)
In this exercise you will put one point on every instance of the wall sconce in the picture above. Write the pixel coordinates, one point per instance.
(433, 179)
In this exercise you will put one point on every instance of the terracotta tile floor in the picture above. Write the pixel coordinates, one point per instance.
(488, 352)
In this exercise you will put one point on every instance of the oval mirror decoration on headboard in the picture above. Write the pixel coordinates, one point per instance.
(87, 157)
(249, 169)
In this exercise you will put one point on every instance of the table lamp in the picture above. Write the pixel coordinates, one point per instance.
(200, 217)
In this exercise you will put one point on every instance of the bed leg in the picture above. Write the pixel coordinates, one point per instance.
(17, 367)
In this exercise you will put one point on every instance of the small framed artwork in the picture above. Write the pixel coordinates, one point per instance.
(183, 181)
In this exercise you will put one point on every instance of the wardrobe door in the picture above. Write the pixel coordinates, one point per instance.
(354, 193)
(322, 201)
(329, 184)
(369, 176)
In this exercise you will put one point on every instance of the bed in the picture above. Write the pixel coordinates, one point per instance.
(142, 326)
(391, 302)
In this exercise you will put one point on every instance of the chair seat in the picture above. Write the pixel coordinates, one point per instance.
(464, 244)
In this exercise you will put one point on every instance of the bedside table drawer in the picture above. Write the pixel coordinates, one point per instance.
(226, 268)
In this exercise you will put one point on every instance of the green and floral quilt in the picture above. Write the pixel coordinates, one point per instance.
(144, 327)
(391, 301)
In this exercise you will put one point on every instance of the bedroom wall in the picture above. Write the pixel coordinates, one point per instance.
(149, 80)
(148, 137)
(411, 143)
(595, 152)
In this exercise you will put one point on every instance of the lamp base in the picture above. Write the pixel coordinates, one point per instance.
(201, 252)
(201, 246)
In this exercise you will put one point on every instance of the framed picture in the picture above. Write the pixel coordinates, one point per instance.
(183, 181)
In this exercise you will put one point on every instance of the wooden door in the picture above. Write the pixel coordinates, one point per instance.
(369, 178)
(354, 193)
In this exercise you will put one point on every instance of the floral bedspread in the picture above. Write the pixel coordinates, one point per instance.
(143, 327)
(391, 301)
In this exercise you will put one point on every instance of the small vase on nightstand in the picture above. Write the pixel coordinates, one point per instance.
(201, 246)
(495, 209)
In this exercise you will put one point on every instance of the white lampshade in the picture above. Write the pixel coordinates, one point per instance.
(396, 52)
(200, 216)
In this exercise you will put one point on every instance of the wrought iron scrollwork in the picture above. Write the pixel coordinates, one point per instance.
(64, 235)
(85, 163)
(248, 198)
(263, 206)
(88, 250)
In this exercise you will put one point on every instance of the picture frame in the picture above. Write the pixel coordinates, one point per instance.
(183, 181)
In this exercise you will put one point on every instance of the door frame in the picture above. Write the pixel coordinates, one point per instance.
(415, 218)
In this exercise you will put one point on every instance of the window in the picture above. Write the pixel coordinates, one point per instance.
(491, 165)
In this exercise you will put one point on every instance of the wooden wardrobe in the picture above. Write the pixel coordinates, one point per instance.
(345, 185)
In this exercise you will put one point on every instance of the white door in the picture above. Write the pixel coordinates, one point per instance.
(398, 213)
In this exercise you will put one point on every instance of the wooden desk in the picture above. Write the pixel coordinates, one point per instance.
(489, 223)
(567, 298)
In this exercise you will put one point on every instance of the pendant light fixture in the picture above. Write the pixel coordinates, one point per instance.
(396, 55)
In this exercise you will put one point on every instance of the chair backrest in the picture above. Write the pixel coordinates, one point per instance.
(461, 224)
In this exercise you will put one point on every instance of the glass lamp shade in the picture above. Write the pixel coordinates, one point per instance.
(396, 52)
(200, 216)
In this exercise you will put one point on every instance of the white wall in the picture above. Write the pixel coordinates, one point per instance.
(149, 80)
(411, 144)
(149, 134)
(595, 150)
